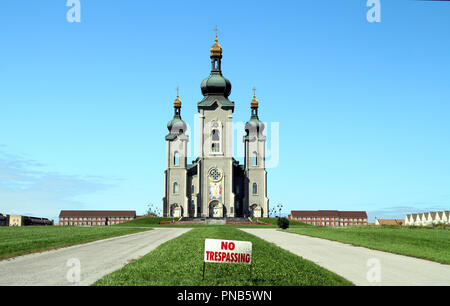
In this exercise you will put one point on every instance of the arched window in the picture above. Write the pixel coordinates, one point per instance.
(215, 135)
(175, 187)
(176, 159)
(215, 138)
(255, 159)
(255, 188)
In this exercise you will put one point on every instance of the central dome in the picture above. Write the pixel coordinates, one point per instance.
(216, 84)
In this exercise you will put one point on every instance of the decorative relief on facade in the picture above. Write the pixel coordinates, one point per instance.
(215, 189)
(215, 192)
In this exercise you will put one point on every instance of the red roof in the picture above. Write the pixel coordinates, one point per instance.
(390, 221)
(97, 213)
(328, 213)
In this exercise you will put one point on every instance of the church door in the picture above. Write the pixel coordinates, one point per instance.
(176, 211)
(215, 210)
(256, 211)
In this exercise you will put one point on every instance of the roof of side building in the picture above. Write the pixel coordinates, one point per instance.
(97, 213)
(328, 213)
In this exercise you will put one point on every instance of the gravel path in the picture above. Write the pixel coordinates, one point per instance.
(362, 266)
(95, 260)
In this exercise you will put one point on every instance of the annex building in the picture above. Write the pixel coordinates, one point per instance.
(95, 217)
(331, 218)
(428, 218)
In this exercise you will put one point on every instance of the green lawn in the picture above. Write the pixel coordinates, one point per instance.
(427, 243)
(15, 241)
(273, 221)
(144, 222)
(179, 262)
(154, 222)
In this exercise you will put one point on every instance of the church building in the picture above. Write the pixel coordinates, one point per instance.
(215, 185)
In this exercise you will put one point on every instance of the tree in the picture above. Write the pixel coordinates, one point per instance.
(283, 223)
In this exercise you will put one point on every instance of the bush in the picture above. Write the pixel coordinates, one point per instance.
(283, 223)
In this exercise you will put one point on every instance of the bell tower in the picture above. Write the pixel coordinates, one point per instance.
(255, 168)
(175, 201)
(216, 151)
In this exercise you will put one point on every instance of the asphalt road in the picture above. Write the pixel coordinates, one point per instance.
(362, 266)
(93, 260)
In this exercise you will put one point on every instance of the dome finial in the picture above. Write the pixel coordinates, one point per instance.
(216, 49)
(177, 102)
(255, 102)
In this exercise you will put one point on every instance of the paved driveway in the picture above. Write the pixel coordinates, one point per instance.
(362, 266)
(95, 260)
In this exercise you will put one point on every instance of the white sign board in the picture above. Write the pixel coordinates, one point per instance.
(228, 251)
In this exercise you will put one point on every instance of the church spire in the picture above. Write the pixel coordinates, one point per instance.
(254, 126)
(176, 126)
(177, 103)
(216, 56)
(216, 84)
(254, 104)
(216, 49)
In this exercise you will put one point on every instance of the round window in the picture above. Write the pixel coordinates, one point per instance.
(215, 174)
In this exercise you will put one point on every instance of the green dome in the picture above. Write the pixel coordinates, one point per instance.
(216, 84)
(176, 125)
(254, 126)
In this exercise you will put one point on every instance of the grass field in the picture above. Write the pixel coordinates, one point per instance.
(144, 222)
(428, 243)
(15, 241)
(154, 222)
(179, 262)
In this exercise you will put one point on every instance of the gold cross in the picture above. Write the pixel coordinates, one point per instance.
(216, 29)
(254, 92)
(178, 91)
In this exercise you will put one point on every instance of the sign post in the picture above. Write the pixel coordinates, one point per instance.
(227, 251)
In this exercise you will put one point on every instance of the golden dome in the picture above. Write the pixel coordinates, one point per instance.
(177, 102)
(255, 102)
(216, 49)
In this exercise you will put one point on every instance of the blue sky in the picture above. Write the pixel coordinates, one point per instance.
(363, 108)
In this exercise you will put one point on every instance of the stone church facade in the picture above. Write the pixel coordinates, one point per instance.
(215, 185)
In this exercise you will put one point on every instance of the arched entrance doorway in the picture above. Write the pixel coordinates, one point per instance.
(215, 209)
(176, 211)
(256, 211)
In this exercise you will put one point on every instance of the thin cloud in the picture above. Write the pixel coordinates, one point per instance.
(27, 189)
(399, 212)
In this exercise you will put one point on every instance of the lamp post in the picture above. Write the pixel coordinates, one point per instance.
(280, 207)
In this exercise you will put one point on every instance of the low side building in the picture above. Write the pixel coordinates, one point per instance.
(428, 218)
(95, 217)
(330, 218)
(15, 221)
(389, 222)
(29, 221)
